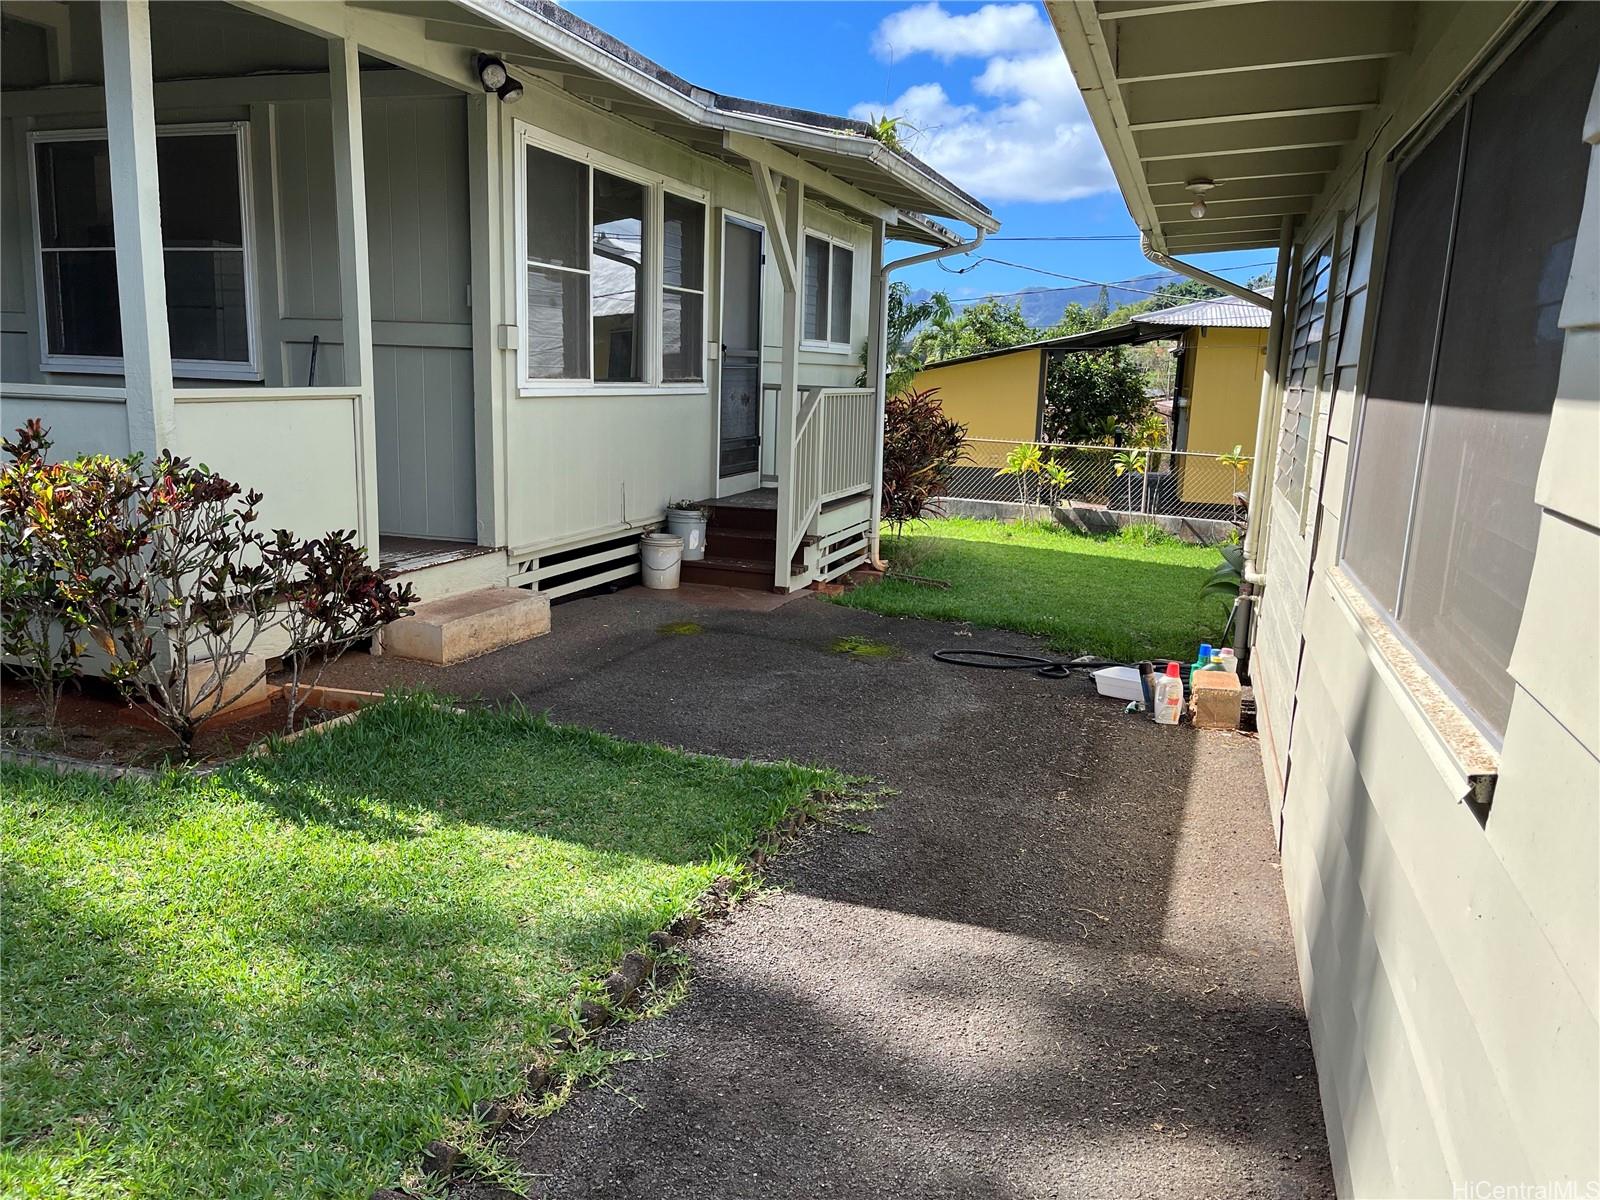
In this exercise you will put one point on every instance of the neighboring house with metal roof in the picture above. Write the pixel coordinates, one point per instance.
(469, 276)
(1423, 550)
(1219, 345)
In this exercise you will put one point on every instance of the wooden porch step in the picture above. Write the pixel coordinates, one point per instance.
(730, 572)
(741, 543)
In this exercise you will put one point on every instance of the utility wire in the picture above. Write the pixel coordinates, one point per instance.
(1087, 237)
(1078, 279)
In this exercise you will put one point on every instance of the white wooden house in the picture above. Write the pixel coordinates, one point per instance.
(494, 331)
(1424, 542)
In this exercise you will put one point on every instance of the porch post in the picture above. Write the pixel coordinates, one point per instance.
(136, 221)
(877, 376)
(488, 381)
(355, 290)
(789, 378)
(786, 230)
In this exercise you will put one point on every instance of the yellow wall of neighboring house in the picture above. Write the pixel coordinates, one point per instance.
(993, 397)
(1222, 380)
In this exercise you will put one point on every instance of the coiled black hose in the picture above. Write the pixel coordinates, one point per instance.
(1005, 660)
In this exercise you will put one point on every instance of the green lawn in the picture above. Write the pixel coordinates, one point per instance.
(1112, 596)
(285, 979)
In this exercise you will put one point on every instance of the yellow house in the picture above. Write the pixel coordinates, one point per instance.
(1220, 346)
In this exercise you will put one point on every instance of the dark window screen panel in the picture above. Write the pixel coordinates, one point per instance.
(683, 242)
(619, 254)
(80, 303)
(839, 295)
(1476, 522)
(682, 331)
(558, 210)
(1402, 351)
(74, 180)
(816, 308)
(558, 310)
(206, 306)
(200, 205)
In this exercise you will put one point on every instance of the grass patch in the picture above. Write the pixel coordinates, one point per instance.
(284, 979)
(865, 649)
(1129, 595)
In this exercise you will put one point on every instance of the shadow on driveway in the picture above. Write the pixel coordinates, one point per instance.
(1059, 964)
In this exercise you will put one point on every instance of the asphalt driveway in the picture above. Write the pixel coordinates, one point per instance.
(1059, 963)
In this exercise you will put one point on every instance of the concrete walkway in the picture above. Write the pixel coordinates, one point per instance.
(1059, 964)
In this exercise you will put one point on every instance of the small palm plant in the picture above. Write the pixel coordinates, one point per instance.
(1138, 459)
(1240, 462)
(1060, 478)
(1022, 461)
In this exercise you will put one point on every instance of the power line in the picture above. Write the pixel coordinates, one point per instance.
(1078, 279)
(1092, 237)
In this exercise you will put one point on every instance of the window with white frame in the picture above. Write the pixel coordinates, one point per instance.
(1441, 522)
(614, 274)
(830, 272)
(205, 240)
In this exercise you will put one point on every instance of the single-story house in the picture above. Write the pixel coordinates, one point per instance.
(470, 277)
(1219, 344)
(1423, 551)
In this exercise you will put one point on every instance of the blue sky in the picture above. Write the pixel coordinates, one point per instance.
(985, 90)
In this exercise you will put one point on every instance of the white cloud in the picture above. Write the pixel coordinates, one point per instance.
(929, 29)
(1034, 142)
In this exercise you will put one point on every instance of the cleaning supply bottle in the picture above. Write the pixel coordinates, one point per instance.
(1201, 660)
(1229, 660)
(1169, 696)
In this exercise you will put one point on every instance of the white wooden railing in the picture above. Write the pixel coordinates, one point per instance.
(829, 455)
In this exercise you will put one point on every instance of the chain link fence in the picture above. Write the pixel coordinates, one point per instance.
(1167, 483)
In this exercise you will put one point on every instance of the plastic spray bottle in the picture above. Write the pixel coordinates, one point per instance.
(1169, 696)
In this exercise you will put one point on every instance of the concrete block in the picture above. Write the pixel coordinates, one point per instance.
(452, 630)
(244, 688)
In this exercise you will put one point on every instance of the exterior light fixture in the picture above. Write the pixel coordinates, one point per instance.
(492, 73)
(494, 77)
(1199, 187)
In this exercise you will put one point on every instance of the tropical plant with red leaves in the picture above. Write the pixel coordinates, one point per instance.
(334, 599)
(921, 446)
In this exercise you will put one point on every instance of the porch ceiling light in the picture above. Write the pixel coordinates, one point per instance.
(1199, 187)
(492, 73)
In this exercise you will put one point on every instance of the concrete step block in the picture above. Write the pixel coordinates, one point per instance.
(457, 628)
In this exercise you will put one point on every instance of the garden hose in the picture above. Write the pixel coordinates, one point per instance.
(1005, 660)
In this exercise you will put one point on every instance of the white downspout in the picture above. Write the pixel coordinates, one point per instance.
(1204, 276)
(881, 375)
(1260, 480)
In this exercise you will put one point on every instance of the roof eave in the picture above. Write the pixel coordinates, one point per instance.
(1078, 29)
(699, 107)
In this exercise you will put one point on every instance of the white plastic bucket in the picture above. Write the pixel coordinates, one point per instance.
(660, 558)
(690, 525)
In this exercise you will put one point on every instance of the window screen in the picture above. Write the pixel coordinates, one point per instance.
(683, 298)
(558, 267)
(816, 307)
(617, 277)
(839, 295)
(203, 247)
(1460, 393)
